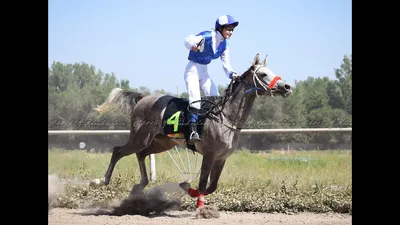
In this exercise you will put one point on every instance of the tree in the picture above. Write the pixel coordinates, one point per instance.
(344, 76)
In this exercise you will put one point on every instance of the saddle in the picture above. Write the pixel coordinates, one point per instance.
(176, 122)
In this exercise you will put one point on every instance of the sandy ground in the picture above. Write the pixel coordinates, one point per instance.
(154, 200)
(58, 216)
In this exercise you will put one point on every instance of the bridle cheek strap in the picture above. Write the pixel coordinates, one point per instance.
(273, 82)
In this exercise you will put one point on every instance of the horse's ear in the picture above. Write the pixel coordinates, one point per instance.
(256, 59)
(265, 60)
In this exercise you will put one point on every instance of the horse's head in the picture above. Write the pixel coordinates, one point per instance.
(263, 81)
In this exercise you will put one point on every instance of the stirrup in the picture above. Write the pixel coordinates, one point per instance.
(194, 136)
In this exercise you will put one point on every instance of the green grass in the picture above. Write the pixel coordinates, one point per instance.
(317, 181)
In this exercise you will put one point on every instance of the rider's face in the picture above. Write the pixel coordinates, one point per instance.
(227, 31)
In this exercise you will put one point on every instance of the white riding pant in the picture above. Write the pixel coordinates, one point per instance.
(196, 77)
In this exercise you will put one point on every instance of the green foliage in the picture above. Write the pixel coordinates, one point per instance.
(344, 75)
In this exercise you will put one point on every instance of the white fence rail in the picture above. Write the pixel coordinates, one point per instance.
(244, 131)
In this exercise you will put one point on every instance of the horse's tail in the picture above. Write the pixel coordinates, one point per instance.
(120, 99)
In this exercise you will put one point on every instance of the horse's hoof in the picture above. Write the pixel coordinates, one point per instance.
(199, 204)
(185, 186)
(97, 183)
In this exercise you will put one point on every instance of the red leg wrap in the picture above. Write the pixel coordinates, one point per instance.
(193, 192)
(200, 201)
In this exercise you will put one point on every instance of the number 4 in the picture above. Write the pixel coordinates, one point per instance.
(174, 120)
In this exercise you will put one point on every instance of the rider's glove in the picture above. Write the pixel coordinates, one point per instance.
(233, 75)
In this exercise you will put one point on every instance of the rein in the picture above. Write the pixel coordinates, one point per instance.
(229, 92)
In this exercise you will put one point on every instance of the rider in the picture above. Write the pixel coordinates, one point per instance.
(204, 47)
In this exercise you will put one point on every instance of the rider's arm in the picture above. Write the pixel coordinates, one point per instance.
(226, 64)
(192, 40)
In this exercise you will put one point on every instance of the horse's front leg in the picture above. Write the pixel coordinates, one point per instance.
(204, 174)
(208, 161)
(214, 176)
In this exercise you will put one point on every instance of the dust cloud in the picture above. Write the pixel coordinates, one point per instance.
(155, 201)
(55, 189)
(207, 212)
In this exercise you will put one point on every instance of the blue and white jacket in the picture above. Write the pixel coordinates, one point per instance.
(214, 46)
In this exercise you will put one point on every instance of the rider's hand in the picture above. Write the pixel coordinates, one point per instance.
(198, 46)
(235, 76)
(195, 48)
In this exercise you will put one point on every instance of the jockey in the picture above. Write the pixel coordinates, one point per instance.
(204, 47)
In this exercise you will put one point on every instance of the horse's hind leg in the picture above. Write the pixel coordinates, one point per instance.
(116, 156)
(160, 143)
(144, 179)
(138, 141)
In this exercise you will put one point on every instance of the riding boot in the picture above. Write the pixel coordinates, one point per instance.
(194, 136)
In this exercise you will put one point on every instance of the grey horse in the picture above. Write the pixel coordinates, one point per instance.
(220, 131)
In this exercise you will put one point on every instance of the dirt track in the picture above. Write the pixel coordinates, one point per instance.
(60, 216)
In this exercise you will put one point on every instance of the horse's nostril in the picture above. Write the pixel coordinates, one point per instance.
(287, 86)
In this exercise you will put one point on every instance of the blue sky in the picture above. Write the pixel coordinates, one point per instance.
(143, 41)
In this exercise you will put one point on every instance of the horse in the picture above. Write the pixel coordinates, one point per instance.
(220, 125)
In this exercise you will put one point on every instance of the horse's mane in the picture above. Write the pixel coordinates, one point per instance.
(216, 101)
(233, 85)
